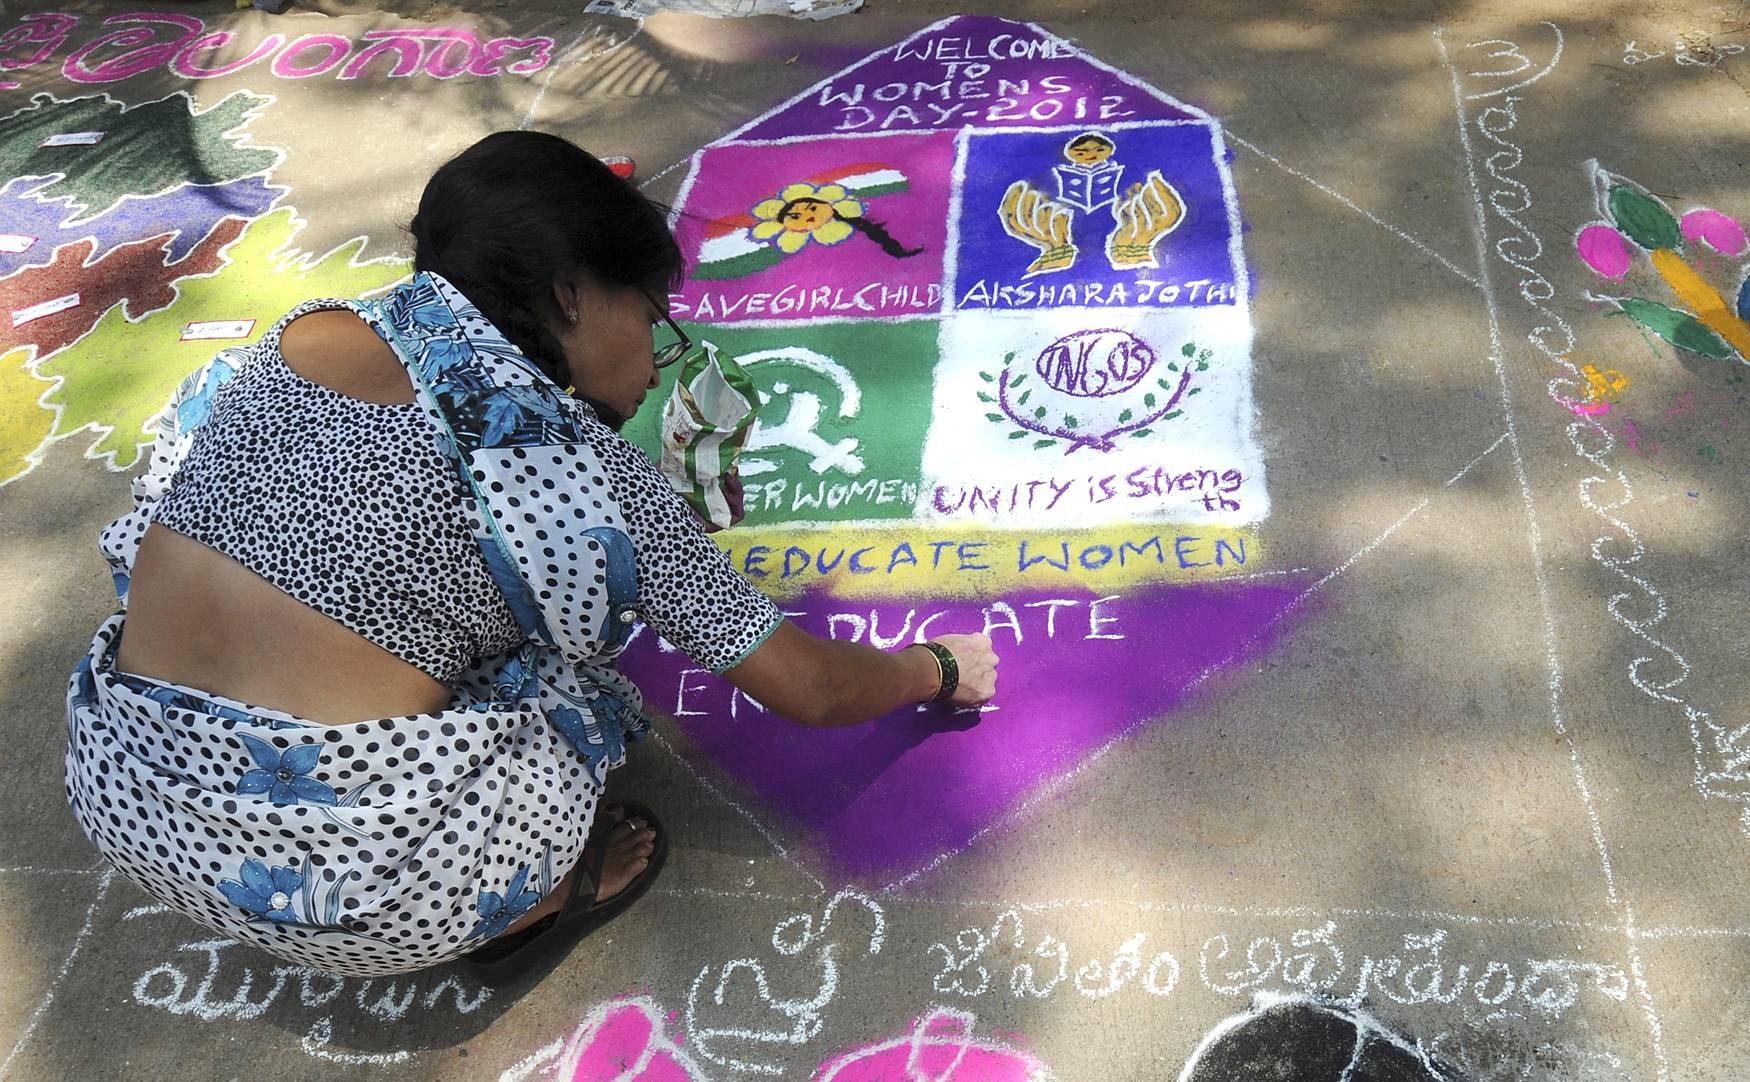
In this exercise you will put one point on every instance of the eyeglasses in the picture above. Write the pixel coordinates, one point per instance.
(674, 351)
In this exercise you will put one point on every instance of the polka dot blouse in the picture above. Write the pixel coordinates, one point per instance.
(349, 507)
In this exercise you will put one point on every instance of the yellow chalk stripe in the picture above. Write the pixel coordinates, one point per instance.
(1709, 306)
(24, 421)
(942, 560)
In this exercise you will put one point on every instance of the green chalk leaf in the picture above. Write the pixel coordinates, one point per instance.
(1018, 380)
(1202, 365)
(1143, 432)
(1040, 412)
(1025, 395)
(1149, 400)
(1070, 422)
(1125, 416)
(1172, 415)
(987, 377)
(982, 397)
(1644, 219)
(1192, 391)
(1188, 348)
(1044, 443)
(1676, 327)
(1018, 435)
(997, 417)
(1008, 358)
(1164, 384)
(1174, 367)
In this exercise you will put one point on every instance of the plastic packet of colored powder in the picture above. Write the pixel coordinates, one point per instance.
(705, 423)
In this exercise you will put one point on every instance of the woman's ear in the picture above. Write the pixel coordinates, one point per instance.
(565, 298)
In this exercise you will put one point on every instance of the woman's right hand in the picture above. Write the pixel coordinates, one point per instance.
(977, 660)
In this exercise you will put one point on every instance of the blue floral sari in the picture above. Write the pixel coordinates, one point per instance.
(394, 844)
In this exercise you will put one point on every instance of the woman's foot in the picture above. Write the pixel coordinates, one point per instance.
(630, 845)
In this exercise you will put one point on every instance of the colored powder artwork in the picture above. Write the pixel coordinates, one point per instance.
(264, 274)
(1706, 324)
(24, 421)
(1077, 671)
(126, 262)
(629, 1039)
(625, 1039)
(182, 216)
(145, 148)
(941, 1048)
(991, 295)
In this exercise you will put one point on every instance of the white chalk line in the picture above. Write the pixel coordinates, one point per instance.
(542, 1059)
(567, 60)
(1253, 575)
(1050, 788)
(1410, 238)
(42, 1006)
(730, 894)
(666, 170)
(765, 832)
(1257, 912)
(1497, 356)
(1495, 92)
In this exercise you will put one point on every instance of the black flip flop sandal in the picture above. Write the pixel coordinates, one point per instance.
(515, 957)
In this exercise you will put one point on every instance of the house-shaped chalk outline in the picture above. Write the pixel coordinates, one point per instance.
(877, 99)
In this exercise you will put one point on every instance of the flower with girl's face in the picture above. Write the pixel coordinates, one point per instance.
(804, 212)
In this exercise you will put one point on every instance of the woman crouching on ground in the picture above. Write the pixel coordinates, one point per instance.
(360, 704)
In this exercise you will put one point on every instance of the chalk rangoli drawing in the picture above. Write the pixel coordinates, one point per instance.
(1141, 215)
(134, 47)
(209, 982)
(1509, 198)
(138, 259)
(1692, 50)
(940, 1048)
(793, 1021)
(779, 231)
(1108, 378)
(1603, 390)
(1090, 180)
(623, 1040)
(785, 375)
(825, 210)
(1636, 219)
(1426, 966)
(937, 498)
(1349, 1043)
(46, 31)
(629, 1039)
(953, 440)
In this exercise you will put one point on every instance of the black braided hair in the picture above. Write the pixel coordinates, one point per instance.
(878, 233)
(875, 231)
(518, 211)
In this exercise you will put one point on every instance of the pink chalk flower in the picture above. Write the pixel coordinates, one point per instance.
(940, 1048)
(625, 1040)
(1718, 231)
(1604, 250)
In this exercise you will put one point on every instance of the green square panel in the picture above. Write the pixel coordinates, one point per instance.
(845, 409)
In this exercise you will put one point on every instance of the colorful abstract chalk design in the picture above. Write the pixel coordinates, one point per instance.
(126, 263)
(1636, 222)
(992, 296)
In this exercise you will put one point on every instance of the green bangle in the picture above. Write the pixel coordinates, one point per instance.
(949, 668)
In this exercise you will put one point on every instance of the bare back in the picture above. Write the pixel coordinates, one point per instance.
(199, 618)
